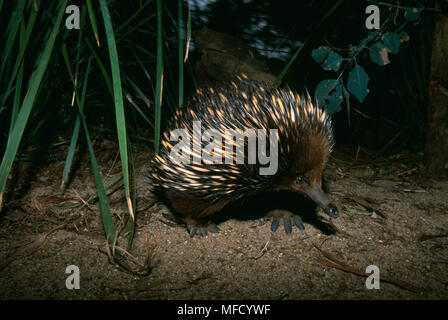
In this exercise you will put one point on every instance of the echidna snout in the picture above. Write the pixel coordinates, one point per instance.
(319, 196)
(309, 184)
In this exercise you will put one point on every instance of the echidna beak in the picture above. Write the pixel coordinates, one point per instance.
(318, 195)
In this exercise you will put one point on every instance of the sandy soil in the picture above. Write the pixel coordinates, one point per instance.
(392, 216)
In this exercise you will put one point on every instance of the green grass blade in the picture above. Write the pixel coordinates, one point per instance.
(130, 225)
(118, 101)
(13, 28)
(78, 55)
(102, 196)
(17, 96)
(141, 96)
(102, 67)
(187, 47)
(132, 17)
(180, 53)
(136, 27)
(159, 79)
(70, 153)
(93, 196)
(67, 62)
(28, 102)
(15, 107)
(93, 21)
(144, 70)
(139, 92)
(23, 45)
(139, 110)
(75, 133)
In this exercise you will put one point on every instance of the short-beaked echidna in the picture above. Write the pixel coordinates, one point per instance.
(197, 189)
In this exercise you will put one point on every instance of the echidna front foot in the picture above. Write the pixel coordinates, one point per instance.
(289, 219)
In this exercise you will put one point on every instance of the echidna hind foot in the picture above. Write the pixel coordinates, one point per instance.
(194, 212)
(194, 226)
(201, 227)
(289, 219)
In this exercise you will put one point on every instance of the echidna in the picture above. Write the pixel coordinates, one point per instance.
(196, 187)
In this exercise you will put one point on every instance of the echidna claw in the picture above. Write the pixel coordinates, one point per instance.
(202, 230)
(192, 231)
(171, 217)
(287, 224)
(289, 219)
(213, 228)
(298, 222)
(274, 224)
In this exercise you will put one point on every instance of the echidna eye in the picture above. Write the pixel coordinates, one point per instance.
(300, 179)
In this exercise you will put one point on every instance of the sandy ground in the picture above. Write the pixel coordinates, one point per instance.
(392, 216)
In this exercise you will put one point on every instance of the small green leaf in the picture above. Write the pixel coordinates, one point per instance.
(379, 54)
(412, 14)
(333, 62)
(335, 100)
(320, 54)
(357, 83)
(329, 94)
(379, 51)
(392, 42)
(372, 34)
(323, 90)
